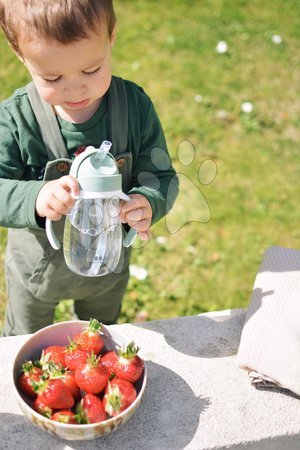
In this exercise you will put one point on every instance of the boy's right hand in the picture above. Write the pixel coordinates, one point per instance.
(57, 197)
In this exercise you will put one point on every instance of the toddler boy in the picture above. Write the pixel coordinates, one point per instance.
(66, 47)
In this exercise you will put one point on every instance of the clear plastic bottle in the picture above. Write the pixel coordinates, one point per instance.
(93, 233)
(93, 236)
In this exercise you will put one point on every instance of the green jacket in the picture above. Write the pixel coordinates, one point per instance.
(23, 156)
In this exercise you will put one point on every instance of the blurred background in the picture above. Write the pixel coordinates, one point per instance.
(224, 76)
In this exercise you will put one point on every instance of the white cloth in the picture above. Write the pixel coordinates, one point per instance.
(270, 342)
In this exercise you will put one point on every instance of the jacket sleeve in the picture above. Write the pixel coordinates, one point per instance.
(153, 174)
(17, 196)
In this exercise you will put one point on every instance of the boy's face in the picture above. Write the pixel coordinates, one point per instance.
(73, 77)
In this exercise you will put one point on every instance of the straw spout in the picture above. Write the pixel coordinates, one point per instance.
(103, 150)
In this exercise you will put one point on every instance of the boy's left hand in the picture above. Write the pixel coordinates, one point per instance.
(137, 213)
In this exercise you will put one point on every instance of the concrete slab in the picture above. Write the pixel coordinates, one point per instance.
(196, 397)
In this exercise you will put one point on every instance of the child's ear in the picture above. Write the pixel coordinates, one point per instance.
(113, 36)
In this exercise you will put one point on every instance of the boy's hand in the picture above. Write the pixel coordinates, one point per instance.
(137, 212)
(56, 197)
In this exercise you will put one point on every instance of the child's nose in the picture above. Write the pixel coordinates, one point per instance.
(74, 88)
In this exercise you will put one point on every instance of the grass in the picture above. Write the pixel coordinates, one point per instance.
(221, 225)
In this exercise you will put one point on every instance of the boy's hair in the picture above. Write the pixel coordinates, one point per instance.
(63, 20)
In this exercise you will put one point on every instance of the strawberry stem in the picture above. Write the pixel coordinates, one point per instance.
(80, 415)
(27, 366)
(92, 360)
(113, 398)
(130, 351)
(56, 372)
(113, 403)
(94, 325)
(71, 346)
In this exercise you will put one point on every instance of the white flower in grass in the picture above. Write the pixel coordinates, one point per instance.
(142, 316)
(276, 39)
(222, 47)
(198, 98)
(161, 240)
(247, 107)
(138, 272)
(221, 114)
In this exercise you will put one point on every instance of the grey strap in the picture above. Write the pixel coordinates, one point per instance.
(48, 125)
(118, 115)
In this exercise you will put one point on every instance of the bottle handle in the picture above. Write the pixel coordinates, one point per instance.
(132, 233)
(51, 235)
(129, 237)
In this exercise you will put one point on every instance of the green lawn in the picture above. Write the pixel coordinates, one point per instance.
(222, 222)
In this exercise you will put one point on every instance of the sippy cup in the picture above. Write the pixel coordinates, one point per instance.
(93, 233)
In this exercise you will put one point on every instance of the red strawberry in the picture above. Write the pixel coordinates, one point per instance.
(64, 416)
(109, 360)
(90, 339)
(55, 372)
(55, 394)
(92, 376)
(68, 379)
(130, 366)
(74, 356)
(31, 374)
(40, 407)
(56, 354)
(118, 395)
(90, 409)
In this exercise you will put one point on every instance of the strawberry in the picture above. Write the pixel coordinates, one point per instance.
(118, 395)
(56, 354)
(129, 366)
(74, 355)
(55, 372)
(109, 360)
(90, 410)
(54, 394)
(64, 416)
(90, 339)
(92, 376)
(40, 407)
(31, 374)
(68, 378)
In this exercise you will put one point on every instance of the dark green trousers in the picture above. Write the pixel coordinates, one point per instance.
(37, 278)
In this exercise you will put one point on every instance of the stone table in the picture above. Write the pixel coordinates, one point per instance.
(196, 396)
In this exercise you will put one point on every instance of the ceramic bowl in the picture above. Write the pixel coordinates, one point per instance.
(57, 334)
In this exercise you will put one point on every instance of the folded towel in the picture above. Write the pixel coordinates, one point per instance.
(270, 342)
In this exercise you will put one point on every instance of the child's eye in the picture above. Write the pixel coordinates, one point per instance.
(52, 81)
(94, 71)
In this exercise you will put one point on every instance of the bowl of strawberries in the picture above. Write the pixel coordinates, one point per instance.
(79, 380)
